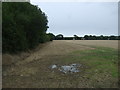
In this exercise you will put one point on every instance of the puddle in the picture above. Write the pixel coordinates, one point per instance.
(54, 66)
(72, 68)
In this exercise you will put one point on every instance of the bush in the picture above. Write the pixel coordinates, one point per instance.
(24, 26)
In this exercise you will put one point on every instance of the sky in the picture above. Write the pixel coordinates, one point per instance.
(81, 18)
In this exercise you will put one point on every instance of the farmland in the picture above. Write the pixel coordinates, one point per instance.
(99, 60)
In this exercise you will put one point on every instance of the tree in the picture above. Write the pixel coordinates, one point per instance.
(94, 37)
(112, 37)
(24, 26)
(76, 37)
(51, 36)
(119, 37)
(101, 37)
(86, 37)
(59, 37)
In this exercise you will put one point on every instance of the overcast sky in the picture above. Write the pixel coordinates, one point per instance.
(81, 18)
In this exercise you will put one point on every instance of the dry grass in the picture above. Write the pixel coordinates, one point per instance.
(34, 71)
(101, 43)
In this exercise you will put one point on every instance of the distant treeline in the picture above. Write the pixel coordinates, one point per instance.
(24, 26)
(87, 37)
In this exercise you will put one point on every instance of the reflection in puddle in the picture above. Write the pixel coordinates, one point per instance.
(73, 68)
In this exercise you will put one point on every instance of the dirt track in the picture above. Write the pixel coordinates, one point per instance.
(32, 71)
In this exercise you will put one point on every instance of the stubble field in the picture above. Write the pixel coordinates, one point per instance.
(98, 59)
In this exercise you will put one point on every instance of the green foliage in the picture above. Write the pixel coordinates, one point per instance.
(76, 37)
(101, 37)
(24, 26)
(101, 58)
(51, 36)
(59, 37)
(87, 37)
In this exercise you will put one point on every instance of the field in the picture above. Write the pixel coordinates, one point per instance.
(99, 60)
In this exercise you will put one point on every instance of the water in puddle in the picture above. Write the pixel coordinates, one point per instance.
(54, 66)
(73, 68)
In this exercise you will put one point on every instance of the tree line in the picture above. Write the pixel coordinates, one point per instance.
(87, 37)
(24, 26)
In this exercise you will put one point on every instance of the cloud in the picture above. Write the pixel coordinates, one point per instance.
(82, 18)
